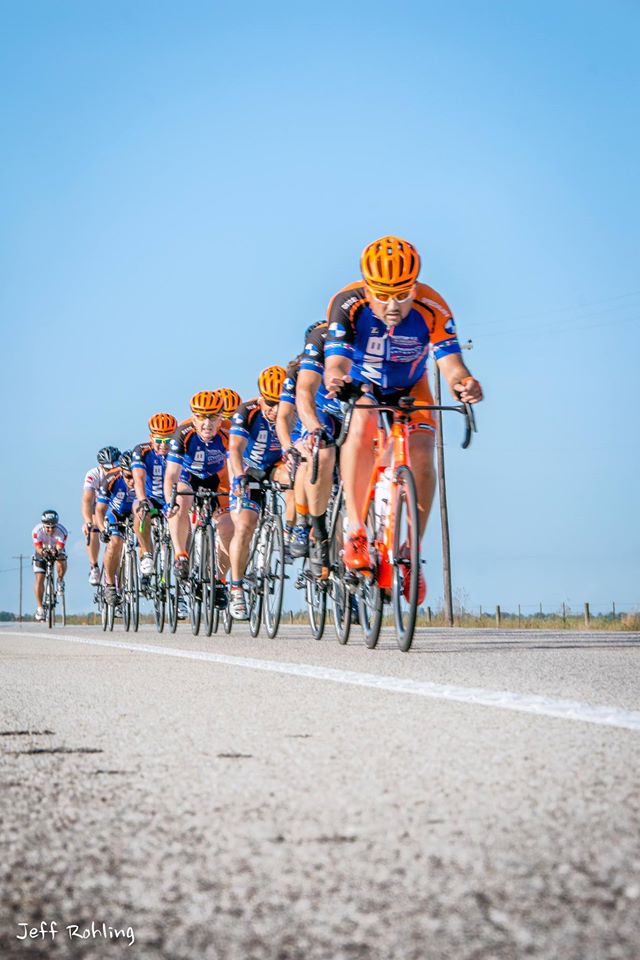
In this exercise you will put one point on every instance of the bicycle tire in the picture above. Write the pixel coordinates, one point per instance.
(174, 588)
(159, 589)
(102, 606)
(208, 574)
(227, 619)
(405, 610)
(273, 582)
(63, 605)
(123, 590)
(316, 598)
(49, 597)
(338, 590)
(134, 589)
(370, 601)
(195, 599)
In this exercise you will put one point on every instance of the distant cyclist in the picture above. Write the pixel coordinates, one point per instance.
(115, 503)
(148, 463)
(254, 453)
(107, 459)
(49, 539)
(197, 460)
(381, 329)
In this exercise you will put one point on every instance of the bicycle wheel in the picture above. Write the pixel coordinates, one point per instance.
(316, 598)
(174, 588)
(159, 588)
(253, 579)
(370, 602)
(406, 553)
(123, 590)
(208, 578)
(274, 573)
(49, 597)
(102, 606)
(338, 590)
(63, 609)
(195, 556)
(133, 585)
(227, 619)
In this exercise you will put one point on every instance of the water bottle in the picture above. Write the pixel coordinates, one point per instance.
(381, 499)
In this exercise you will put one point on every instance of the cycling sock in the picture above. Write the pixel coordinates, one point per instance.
(302, 515)
(179, 555)
(319, 525)
(236, 584)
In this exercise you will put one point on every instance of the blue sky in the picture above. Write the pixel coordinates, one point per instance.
(184, 188)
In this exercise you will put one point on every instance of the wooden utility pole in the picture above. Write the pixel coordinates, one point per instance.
(20, 557)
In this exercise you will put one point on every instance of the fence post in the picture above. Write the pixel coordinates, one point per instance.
(481, 611)
(564, 613)
(587, 615)
(290, 616)
(498, 617)
(614, 609)
(429, 615)
(519, 615)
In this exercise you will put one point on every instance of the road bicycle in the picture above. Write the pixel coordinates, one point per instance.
(50, 598)
(128, 578)
(392, 519)
(203, 590)
(265, 574)
(160, 586)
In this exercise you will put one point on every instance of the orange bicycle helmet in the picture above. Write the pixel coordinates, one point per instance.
(231, 400)
(390, 264)
(162, 424)
(206, 402)
(270, 382)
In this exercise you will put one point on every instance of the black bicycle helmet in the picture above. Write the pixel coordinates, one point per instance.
(50, 518)
(108, 456)
(125, 461)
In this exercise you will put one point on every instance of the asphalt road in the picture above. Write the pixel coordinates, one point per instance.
(273, 800)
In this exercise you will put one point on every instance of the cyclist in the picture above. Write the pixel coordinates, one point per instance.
(115, 503)
(107, 459)
(296, 528)
(254, 452)
(197, 460)
(319, 423)
(49, 539)
(148, 464)
(380, 333)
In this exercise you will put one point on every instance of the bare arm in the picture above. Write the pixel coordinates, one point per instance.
(285, 420)
(101, 509)
(139, 479)
(88, 505)
(306, 390)
(171, 475)
(237, 446)
(337, 371)
(456, 373)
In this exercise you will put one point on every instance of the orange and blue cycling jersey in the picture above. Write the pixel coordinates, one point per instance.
(152, 464)
(198, 458)
(393, 359)
(263, 448)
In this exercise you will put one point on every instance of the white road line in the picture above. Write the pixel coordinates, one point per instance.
(604, 716)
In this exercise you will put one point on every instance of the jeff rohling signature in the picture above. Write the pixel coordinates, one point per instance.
(75, 932)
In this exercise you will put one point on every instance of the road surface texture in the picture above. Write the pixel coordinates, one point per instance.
(239, 799)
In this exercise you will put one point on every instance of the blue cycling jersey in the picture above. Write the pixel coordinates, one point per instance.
(153, 464)
(118, 494)
(263, 448)
(197, 457)
(392, 358)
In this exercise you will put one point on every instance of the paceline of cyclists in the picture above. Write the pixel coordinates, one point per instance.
(368, 358)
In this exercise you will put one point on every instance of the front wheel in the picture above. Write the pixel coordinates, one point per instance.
(195, 557)
(370, 600)
(406, 558)
(274, 573)
(316, 597)
(253, 579)
(208, 578)
(159, 588)
(49, 599)
(340, 596)
(133, 589)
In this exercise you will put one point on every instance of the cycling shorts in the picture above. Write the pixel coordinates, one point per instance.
(40, 564)
(332, 426)
(116, 523)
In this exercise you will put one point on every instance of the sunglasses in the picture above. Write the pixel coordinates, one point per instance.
(398, 296)
(207, 417)
(270, 403)
(161, 439)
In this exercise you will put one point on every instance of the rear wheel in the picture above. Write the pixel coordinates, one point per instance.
(63, 609)
(133, 588)
(406, 553)
(253, 579)
(227, 619)
(174, 589)
(370, 602)
(274, 572)
(123, 589)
